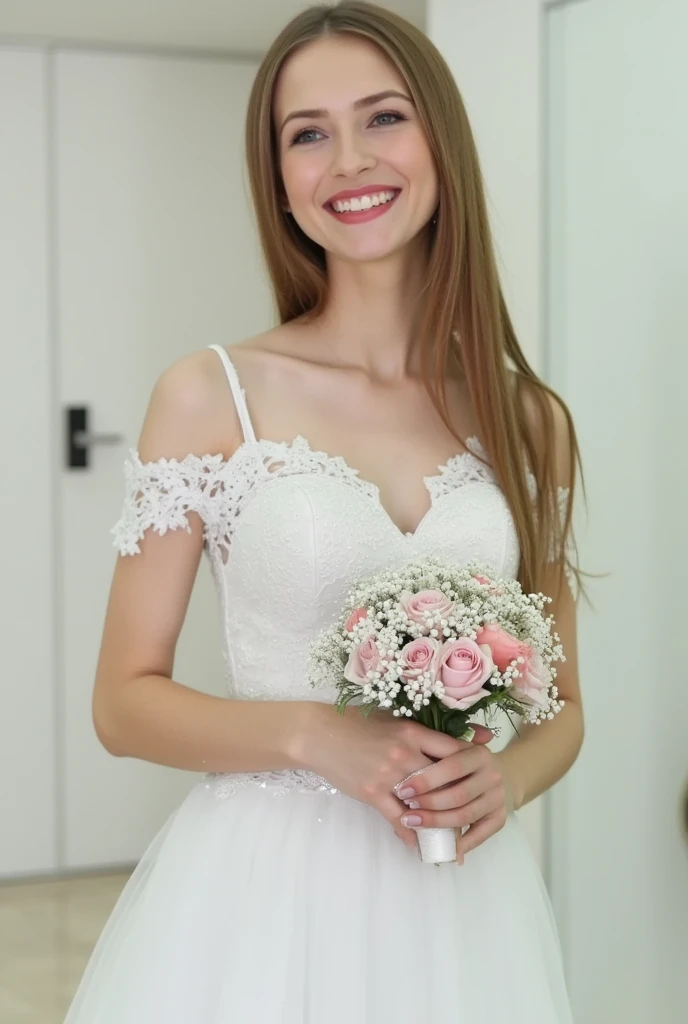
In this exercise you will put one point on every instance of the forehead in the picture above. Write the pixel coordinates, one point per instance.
(332, 72)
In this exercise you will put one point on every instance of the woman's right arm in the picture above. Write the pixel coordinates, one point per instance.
(140, 711)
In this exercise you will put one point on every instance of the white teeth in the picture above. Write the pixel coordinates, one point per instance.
(362, 202)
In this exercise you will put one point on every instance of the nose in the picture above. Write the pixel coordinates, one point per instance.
(351, 155)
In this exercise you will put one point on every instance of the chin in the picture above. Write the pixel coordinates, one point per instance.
(372, 252)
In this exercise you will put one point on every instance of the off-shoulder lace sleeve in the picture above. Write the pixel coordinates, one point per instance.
(160, 495)
(570, 553)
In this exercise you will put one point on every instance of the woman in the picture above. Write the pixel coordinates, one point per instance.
(287, 887)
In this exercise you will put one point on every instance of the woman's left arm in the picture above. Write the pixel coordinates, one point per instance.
(478, 787)
(542, 754)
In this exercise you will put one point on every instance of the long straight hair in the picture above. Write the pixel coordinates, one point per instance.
(464, 321)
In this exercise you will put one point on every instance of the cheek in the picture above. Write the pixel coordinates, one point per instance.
(301, 174)
(413, 159)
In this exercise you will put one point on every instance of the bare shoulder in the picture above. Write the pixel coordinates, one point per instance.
(280, 370)
(191, 411)
(282, 350)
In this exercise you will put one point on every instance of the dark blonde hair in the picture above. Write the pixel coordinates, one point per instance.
(464, 320)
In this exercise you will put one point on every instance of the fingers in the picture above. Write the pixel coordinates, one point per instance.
(450, 769)
(392, 809)
(450, 760)
(481, 831)
(482, 734)
(483, 806)
(450, 797)
(437, 745)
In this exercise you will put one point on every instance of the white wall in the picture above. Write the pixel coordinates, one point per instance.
(591, 215)
(246, 28)
(493, 49)
(618, 216)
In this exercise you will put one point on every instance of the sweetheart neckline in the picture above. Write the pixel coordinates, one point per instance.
(474, 452)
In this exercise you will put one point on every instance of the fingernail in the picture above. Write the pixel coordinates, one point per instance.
(411, 820)
(406, 792)
(413, 804)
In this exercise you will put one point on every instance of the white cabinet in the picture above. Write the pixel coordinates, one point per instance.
(152, 255)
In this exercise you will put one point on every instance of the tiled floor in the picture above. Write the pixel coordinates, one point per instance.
(47, 932)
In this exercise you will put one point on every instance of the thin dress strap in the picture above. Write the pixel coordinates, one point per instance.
(238, 393)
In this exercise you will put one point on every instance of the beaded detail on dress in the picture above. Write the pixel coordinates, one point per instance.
(277, 783)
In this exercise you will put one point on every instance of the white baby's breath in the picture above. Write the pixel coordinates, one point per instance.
(501, 602)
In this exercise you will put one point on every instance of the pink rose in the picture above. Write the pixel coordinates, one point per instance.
(532, 683)
(433, 601)
(482, 580)
(421, 655)
(356, 616)
(505, 647)
(364, 658)
(463, 668)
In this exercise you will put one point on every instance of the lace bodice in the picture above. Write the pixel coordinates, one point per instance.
(289, 529)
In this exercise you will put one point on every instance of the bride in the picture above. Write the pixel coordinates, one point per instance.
(390, 415)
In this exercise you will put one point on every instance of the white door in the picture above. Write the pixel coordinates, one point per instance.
(27, 690)
(618, 345)
(155, 257)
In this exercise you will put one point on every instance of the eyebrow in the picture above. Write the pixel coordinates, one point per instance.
(366, 101)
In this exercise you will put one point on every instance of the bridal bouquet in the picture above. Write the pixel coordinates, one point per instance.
(441, 644)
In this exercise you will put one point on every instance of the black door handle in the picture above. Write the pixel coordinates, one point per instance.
(79, 439)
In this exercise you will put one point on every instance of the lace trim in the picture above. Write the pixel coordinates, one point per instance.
(460, 470)
(277, 783)
(160, 495)
(562, 500)
(569, 546)
(467, 468)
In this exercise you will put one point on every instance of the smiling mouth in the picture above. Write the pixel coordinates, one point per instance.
(356, 209)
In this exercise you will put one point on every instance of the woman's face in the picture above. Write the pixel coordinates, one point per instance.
(337, 135)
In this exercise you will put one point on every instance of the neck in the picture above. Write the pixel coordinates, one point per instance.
(372, 312)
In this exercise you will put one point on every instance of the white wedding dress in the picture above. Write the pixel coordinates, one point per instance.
(274, 899)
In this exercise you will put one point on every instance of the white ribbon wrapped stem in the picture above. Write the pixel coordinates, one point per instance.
(436, 845)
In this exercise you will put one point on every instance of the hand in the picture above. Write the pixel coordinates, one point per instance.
(468, 788)
(367, 757)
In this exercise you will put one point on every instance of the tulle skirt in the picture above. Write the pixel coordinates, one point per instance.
(303, 907)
